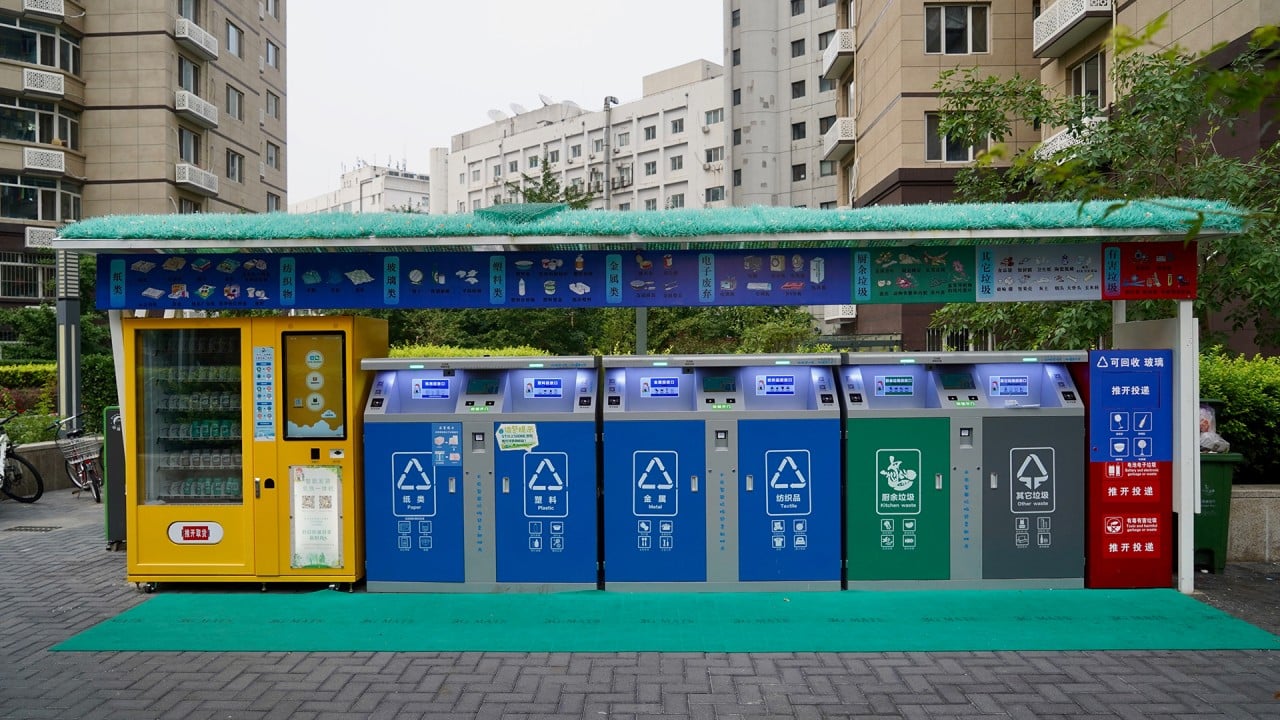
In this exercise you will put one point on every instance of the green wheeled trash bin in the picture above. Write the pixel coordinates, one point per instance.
(1213, 524)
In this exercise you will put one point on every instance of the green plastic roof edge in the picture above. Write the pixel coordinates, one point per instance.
(759, 225)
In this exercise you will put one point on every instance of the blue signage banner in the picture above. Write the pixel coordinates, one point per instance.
(471, 280)
(1131, 406)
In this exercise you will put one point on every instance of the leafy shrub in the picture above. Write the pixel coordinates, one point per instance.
(1249, 417)
(28, 375)
(97, 389)
(424, 351)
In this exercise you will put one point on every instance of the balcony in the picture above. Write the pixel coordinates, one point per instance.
(194, 108)
(39, 160)
(47, 8)
(1066, 23)
(1064, 139)
(43, 83)
(839, 54)
(194, 38)
(191, 177)
(840, 139)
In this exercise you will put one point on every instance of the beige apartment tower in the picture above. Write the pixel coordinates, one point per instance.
(150, 106)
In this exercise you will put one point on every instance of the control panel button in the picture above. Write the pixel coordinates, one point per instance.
(377, 402)
(827, 398)
(469, 403)
(1068, 396)
(855, 397)
(615, 401)
(731, 400)
(584, 401)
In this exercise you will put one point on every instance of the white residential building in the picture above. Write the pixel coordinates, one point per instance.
(370, 188)
(665, 150)
(777, 103)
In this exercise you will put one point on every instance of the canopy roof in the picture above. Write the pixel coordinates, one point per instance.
(540, 226)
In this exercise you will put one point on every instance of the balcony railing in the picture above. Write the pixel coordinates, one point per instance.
(839, 54)
(44, 161)
(56, 8)
(196, 39)
(1066, 23)
(840, 139)
(45, 83)
(195, 108)
(190, 176)
(1064, 139)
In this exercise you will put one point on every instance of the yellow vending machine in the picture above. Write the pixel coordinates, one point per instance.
(246, 435)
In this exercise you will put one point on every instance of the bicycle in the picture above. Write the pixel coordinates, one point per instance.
(19, 479)
(81, 455)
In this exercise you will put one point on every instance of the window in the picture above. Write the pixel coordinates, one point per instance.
(651, 168)
(235, 40)
(715, 193)
(273, 8)
(39, 122)
(797, 48)
(828, 205)
(624, 139)
(826, 168)
(513, 167)
(715, 116)
(31, 198)
(677, 126)
(462, 178)
(39, 43)
(475, 204)
(462, 206)
(825, 123)
(677, 162)
(824, 3)
(797, 89)
(575, 151)
(824, 39)
(235, 166)
(651, 204)
(475, 174)
(735, 57)
(273, 55)
(273, 105)
(737, 136)
(188, 75)
(273, 203)
(797, 7)
(624, 206)
(939, 148)
(825, 85)
(735, 18)
(737, 178)
(798, 130)
(715, 154)
(737, 96)
(188, 146)
(235, 103)
(1089, 82)
(798, 172)
(188, 9)
(273, 156)
(955, 29)
(497, 171)
(676, 201)
(552, 157)
(650, 132)
(188, 207)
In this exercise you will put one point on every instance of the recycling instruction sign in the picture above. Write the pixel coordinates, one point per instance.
(655, 486)
(790, 491)
(546, 484)
(414, 488)
(1033, 486)
(898, 478)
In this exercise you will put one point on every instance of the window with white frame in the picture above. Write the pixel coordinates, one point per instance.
(475, 174)
(34, 198)
(513, 167)
(715, 116)
(189, 146)
(939, 148)
(650, 132)
(1089, 81)
(553, 156)
(187, 206)
(273, 156)
(597, 145)
(273, 8)
(39, 43)
(575, 151)
(273, 55)
(955, 29)
(188, 75)
(235, 39)
(651, 204)
(475, 204)
(235, 103)
(40, 122)
(532, 161)
(676, 200)
(273, 203)
(677, 162)
(715, 194)
(677, 126)
(624, 139)
(189, 9)
(624, 206)
(715, 154)
(651, 168)
(235, 166)
(497, 171)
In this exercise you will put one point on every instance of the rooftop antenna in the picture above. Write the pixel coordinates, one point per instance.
(518, 109)
(497, 115)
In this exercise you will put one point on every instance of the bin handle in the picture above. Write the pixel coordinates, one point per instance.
(693, 483)
(257, 487)
(995, 481)
(751, 483)
(937, 481)
(506, 485)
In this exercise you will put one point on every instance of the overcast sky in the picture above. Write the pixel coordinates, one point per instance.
(390, 80)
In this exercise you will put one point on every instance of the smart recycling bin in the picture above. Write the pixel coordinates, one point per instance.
(964, 470)
(721, 472)
(482, 474)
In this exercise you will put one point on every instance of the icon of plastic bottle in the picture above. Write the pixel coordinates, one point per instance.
(520, 287)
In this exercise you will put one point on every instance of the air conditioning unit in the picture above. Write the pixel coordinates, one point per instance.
(569, 161)
(706, 166)
(617, 150)
(706, 128)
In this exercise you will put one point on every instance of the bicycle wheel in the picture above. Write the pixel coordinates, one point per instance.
(22, 481)
(85, 475)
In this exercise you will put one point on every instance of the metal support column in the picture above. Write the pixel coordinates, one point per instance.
(68, 311)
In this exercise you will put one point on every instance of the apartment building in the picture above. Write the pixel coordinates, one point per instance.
(372, 188)
(778, 102)
(664, 150)
(152, 106)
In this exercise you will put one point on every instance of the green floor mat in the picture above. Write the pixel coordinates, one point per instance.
(593, 621)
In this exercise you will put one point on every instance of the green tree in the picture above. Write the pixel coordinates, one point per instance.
(546, 188)
(1159, 138)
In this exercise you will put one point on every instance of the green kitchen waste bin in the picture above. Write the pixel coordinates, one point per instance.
(1214, 521)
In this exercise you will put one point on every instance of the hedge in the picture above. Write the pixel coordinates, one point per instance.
(426, 351)
(1249, 418)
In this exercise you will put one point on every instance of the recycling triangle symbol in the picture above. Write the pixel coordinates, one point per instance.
(666, 483)
(796, 477)
(1032, 481)
(413, 477)
(1102, 363)
(553, 481)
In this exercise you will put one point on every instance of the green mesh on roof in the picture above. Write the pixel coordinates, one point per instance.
(520, 212)
(1172, 216)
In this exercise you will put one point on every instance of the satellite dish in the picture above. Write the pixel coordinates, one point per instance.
(572, 105)
(518, 109)
(497, 115)
(546, 100)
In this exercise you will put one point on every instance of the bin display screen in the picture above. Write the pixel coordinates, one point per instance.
(652, 387)
(775, 385)
(1010, 386)
(956, 381)
(719, 384)
(315, 382)
(543, 388)
(482, 386)
(895, 386)
(429, 389)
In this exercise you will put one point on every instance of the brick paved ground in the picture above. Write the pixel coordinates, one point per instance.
(55, 583)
